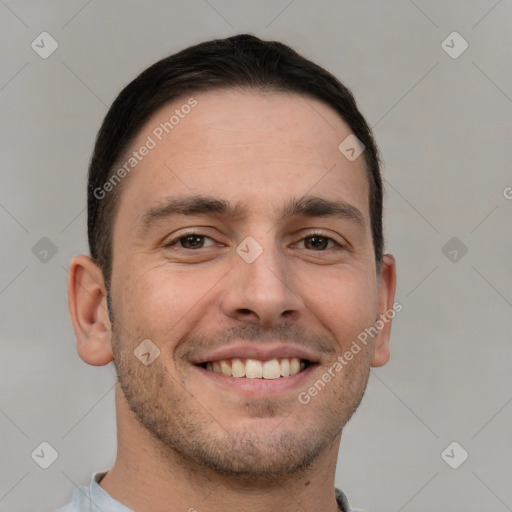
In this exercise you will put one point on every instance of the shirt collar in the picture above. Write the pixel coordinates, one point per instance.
(100, 497)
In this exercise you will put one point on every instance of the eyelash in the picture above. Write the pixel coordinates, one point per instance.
(194, 233)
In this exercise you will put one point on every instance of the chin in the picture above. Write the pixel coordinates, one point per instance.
(254, 455)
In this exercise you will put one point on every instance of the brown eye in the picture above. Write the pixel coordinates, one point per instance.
(316, 242)
(191, 241)
(319, 242)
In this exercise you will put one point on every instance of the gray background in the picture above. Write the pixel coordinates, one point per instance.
(444, 128)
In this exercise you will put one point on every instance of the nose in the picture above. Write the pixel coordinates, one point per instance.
(261, 291)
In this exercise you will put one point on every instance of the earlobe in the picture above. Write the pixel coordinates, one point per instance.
(88, 310)
(386, 306)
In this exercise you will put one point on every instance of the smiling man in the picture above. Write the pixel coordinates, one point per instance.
(237, 280)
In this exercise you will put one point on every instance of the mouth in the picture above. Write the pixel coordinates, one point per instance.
(272, 369)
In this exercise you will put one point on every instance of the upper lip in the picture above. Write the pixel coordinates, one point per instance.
(252, 351)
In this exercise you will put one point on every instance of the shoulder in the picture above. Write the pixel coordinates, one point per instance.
(91, 498)
(81, 501)
(343, 502)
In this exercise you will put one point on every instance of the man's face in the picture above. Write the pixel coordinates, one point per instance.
(301, 288)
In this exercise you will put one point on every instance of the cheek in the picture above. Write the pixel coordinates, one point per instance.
(345, 301)
(164, 302)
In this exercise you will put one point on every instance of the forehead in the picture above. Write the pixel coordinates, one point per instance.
(244, 145)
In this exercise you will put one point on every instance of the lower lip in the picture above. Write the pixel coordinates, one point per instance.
(261, 386)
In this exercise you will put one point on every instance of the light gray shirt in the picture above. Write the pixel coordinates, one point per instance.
(92, 498)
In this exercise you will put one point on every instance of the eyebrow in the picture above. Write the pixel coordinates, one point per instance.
(305, 206)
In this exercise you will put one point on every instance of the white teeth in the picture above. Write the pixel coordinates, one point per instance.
(237, 368)
(271, 369)
(285, 367)
(294, 366)
(225, 367)
(255, 369)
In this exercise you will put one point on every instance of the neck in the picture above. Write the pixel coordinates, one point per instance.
(152, 477)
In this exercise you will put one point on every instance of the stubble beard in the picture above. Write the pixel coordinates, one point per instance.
(186, 430)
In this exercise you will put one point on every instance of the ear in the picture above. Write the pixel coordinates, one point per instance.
(386, 297)
(88, 309)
